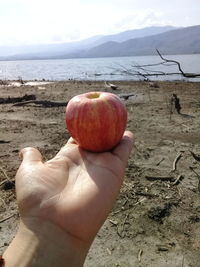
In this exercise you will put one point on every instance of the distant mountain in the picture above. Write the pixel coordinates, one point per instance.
(46, 50)
(74, 49)
(179, 41)
(131, 34)
(172, 41)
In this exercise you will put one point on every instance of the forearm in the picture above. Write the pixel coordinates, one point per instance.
(45, 246)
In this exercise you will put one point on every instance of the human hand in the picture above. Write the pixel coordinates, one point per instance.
(75, 190)
(63, 202)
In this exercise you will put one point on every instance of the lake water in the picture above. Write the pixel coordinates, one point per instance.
(115, 68)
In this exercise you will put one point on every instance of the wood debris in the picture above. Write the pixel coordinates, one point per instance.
(113, 222)
(162, 178)
(162, 248)
(197, 158)
(5, 174)
(160, 161)
(4, 142)
(7, 218)
(178, 179)
(140, 254)
(146, 194)
(11, 100)
(109, 251)
(44, 103)
(176, 161)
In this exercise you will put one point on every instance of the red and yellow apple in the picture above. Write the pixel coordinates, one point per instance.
(96, 120)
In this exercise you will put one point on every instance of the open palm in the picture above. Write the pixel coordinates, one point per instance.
(75, 190)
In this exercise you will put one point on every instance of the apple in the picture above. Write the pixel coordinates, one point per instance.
(96, 120)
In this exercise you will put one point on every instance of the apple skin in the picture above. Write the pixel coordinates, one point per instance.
(96, 120)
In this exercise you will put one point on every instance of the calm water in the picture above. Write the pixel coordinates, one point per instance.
(94, 68)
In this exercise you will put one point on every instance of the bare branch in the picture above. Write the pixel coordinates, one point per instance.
(187, 75)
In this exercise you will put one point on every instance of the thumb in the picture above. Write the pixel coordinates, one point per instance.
(30, 155)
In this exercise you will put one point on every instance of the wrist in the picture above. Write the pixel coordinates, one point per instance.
(39, 244)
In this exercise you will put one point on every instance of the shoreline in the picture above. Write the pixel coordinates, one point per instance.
(111, 69)
(37, 82)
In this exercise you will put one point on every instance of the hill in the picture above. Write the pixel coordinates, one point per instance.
(131, 34)
(178, 41)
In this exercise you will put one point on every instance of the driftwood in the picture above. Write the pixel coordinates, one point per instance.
(125, 96)
(44, 103)
(4, 142)
(11, 100)
(146, 72)
(30, 99)
(175, 161)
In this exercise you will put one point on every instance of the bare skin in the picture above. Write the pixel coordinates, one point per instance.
(63, 203)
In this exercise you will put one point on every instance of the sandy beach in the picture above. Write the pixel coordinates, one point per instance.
(156, 219)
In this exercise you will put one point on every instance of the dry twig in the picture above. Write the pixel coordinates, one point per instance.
(160, 162)
(176, 161)
(178, 179)
(146, 194)
(5, 175)
(44, 103)
(3, 182)
(7, 218)
(162, 178)
(140, 254)
(162, 248)
(197, 158)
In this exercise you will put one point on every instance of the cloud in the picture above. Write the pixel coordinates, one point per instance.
(46, 21)
(140, 19)
(39, 21)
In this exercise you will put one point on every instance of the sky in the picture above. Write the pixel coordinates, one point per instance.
(26, 22)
